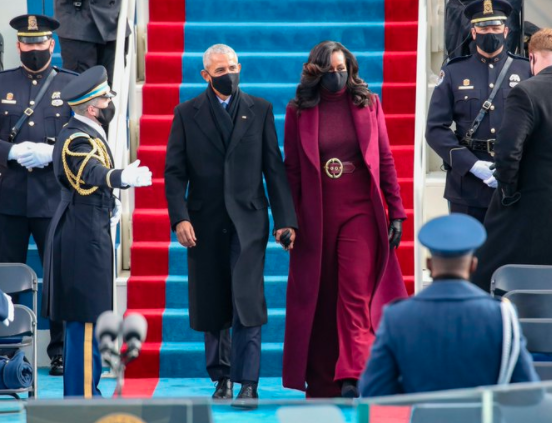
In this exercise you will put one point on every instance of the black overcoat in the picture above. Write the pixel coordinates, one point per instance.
(225, 191)
(78, 262)
(520, 233)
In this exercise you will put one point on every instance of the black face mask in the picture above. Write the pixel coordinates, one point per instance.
(35, 59)
(226, 84)
(106, 115)
(489, 43)
(334, 81)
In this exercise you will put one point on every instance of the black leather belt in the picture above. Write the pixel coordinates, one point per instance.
(91, 200)
(480, 145)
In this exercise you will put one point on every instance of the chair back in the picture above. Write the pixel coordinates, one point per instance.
(23, 324)
(519, 277)
(538, 333)
(531, 304)
(17, 277)
(450, 413)
(310, 414)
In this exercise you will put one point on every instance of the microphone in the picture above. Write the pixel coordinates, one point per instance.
(108, 327)
(135, 328)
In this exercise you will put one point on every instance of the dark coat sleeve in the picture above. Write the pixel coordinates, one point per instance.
(388, 174)
(439, 135)
(518, 123)
(291, 161)
(274, 172)
(176, 174)
(5, 148)
(95, 173)
(381, 376)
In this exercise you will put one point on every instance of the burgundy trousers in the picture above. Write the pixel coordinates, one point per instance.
(341, 335)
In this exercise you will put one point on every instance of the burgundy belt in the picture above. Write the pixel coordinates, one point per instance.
(334, 168)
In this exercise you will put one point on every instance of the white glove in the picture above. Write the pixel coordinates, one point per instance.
(38, 155)
(491, 182)
(135, 176)
(18, 149)
(11, 311)
(481, 170)
(116, 213)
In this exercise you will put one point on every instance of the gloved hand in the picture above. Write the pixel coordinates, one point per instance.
(116, 213)
(395, 233)
(135, 175)
(11, 311)
(38, 155)
(491, 182)
(18, 149)
(481, 169)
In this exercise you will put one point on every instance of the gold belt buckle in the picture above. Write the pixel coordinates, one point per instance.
(334, 165)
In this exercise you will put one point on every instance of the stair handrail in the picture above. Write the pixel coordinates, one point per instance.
(420, 154)
(124, 82)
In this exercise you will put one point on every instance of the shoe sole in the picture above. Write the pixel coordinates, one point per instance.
(245, 405)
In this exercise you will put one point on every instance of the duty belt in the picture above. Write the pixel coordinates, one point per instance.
(91, 200)
(480, 145)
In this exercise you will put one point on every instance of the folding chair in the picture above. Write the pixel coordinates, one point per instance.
(512, 277)
(17, 278)
(538, 333)
(450, 413)
(531, 303)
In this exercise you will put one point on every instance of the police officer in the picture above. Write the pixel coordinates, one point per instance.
(78, 263)
(31, 116)
(471, 92)
(451, 335)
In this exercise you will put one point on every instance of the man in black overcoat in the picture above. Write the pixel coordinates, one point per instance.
(221, 144)
(78, 262)
(518, 224)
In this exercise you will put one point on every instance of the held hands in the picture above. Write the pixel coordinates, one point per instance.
(31, 154)
(11, 311)
(483, 171)
(135, 175)
(185, 234)
(395, 233)
(285, 237)
(116, 213)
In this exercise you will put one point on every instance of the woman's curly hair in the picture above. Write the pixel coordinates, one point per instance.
(319, 63)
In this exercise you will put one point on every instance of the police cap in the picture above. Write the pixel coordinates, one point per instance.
(488, 12)
(453, 235)
(33, 29)
(90, 84)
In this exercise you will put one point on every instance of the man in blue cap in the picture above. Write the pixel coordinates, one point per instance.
(31, 116)
(78, 263)
(471, 92)
(450, 335)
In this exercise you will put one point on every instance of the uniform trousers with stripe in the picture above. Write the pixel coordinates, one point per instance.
(82, 360)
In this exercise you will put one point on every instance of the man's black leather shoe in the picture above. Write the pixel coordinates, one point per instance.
(349, 389)
(224, 389)
(248, 397)
(56, 366)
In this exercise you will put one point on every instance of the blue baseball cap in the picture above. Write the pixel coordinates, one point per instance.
(453, 235)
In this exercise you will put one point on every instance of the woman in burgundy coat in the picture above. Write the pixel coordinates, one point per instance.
(343, 266)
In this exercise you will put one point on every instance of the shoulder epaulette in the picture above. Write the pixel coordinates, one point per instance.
(8, 70)
(458, 59)
(62, 70)
(515, 56)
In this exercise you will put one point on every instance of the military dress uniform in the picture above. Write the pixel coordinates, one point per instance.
(464, 84)
(450, 335)
(29, 198)
(78, 269)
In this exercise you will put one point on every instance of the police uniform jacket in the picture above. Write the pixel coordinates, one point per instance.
(220, 189)
(449, 336)
(95, 22)
(465, 83)
(520, 232)
(78, 263)
(24, 193)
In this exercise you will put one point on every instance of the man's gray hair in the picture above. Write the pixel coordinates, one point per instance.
(80, 109)
(217, 49)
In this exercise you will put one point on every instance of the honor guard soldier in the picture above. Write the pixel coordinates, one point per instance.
(31, 116)
(471, 92)
(78, 265)
(452, 335)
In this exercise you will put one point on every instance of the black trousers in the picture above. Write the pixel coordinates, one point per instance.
(15, 232)
(475, 212)
(236, 356)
